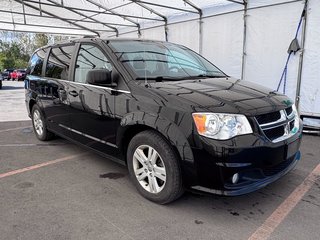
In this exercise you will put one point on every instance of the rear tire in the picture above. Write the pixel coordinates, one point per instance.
(39, 125)
(154, 167)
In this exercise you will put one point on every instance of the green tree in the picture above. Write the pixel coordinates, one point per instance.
(40, 40)
(11, 55)
(27, 43)
(16, 48)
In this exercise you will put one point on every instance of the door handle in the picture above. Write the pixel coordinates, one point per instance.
(73, 93)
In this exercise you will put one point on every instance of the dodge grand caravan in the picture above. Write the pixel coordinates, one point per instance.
(170, 115)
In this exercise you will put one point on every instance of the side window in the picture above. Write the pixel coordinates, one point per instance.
(90, 57)
(36, 62)
(59, 62)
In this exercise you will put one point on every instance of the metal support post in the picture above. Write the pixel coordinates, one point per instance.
(244, 46)
(303, 39)
(164, 18)
(199, 10)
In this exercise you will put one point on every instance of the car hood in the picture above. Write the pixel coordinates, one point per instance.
(222, 95)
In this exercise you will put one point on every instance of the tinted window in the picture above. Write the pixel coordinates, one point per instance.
(36, 62)
(90, 57)
(59, 62)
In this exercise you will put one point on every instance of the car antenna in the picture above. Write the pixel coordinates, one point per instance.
(145, 70)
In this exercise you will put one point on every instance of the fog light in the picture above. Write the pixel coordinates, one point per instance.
(235, 178)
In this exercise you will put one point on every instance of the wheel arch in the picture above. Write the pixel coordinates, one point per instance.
(32, 102)
(136, 122)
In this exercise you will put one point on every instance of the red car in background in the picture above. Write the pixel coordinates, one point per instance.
(19, 74)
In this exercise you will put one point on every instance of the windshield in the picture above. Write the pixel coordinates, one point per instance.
(161, 60)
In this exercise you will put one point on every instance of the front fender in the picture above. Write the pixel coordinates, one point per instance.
(167, 128)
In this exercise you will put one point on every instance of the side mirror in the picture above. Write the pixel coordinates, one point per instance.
(100, 77)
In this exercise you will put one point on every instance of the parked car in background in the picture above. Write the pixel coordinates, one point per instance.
(6, 74)
(19, 74)
(170, 115)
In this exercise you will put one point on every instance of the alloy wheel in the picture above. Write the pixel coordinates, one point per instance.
(149, 169)
(37, 122)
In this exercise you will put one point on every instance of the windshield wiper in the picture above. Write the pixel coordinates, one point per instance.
(171, 78)
(209, 76)
(161, 78)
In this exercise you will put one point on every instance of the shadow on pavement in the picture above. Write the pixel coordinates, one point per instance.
(4, 87)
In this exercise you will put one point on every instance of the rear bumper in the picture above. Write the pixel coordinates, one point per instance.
(256, 161)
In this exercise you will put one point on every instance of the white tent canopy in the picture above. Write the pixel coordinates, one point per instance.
(95, 17)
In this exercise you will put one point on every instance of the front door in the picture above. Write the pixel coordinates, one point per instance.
(93, 122)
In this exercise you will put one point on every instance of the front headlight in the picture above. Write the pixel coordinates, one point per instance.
(221, 126)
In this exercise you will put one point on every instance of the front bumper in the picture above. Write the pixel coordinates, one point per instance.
(257, 162)
(251, 184)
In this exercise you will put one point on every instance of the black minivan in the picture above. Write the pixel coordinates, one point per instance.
(170, 115)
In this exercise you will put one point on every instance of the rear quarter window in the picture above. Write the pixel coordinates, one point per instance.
(36, 62)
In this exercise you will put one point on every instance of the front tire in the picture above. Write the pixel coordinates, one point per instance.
(39, 124)
(154, 167)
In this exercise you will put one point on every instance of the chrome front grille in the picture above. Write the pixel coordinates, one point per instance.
(280, 125)
(269, 117)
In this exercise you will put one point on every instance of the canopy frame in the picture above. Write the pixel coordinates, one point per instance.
(97, 11)
(120, 15)
(56, 16)
(83, 15)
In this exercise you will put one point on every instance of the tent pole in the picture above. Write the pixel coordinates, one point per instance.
(40, 8)
(164, 6)
(199, 10)
(164, 18)
(24, 14)
(303, 39)
(244, 46)
(200, 34)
